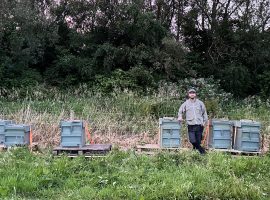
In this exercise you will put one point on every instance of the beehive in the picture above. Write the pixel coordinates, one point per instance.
(72, 133)
(169, 133)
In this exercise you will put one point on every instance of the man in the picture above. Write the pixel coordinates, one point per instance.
(196, 118)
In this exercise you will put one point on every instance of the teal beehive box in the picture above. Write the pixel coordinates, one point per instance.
(247, 136)
(220, 134)
(169, 133)
(17, 135)
(3, 123)
(72, 133)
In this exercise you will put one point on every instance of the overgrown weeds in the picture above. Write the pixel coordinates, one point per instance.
(122, 117)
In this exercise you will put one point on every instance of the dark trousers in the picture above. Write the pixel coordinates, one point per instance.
(195, 137)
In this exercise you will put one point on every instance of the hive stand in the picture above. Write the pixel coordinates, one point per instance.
(91, 150)
(237, 152)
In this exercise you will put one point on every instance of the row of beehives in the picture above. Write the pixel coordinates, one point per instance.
(73, 133)
(238, 135)
(243, 135)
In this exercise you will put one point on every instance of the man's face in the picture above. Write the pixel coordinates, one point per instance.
(191, 95)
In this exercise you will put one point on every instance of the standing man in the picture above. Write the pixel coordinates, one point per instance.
(196, 118)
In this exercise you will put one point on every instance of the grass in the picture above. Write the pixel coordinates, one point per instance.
(124, 175)
(121, 117)
(125, 118)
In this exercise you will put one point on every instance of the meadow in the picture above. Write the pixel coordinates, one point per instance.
(125, 119)
(126, 175)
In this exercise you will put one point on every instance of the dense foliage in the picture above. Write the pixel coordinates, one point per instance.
(135, 43)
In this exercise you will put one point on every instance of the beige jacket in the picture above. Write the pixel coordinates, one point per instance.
(195, 112)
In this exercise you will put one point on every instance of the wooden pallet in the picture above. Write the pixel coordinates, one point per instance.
(149, 149)
(237, 152)
(152, 149)
(91, 150)
(32, 147)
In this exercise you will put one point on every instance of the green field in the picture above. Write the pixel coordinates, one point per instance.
(125, 175)
(120, 66)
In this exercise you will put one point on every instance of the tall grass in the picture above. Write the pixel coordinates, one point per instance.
(127, 118)
(122, 117)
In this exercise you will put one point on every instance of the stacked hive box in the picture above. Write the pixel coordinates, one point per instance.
(247, 136)
(73, 141)
(17, 135)
(3, 124)
(72, 133)
(243, 135)
(220, 136)
(169, 133)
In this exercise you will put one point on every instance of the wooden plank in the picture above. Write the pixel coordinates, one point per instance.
(86, 151)
(164, 148)
(148, 146)
(232, 151)
(90, 147)
(86, 156)
(149, 153)
(97, 147)
(246, 152)
(221, 150)
(152, 149)
(156, 147)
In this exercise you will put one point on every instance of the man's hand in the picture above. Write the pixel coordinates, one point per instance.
(180, 121)
(205, 124)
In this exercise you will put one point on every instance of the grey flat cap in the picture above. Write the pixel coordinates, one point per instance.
(191, 90)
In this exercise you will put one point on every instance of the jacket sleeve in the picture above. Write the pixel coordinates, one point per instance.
(204, 113)
(181, 111)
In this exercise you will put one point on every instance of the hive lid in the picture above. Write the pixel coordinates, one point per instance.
(245, 122)
(71, 122)
(221, 121)
(24, 127)
(167, 119)
(5, 122)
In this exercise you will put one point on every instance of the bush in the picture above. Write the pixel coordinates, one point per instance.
(137, 79)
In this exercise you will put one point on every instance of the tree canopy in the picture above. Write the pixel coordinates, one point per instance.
(135, 43)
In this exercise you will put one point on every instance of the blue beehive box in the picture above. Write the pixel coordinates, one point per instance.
(17, 135)
(72, 133)
(220, 134)
(247, 136)
(3, 123)
(169, 133)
